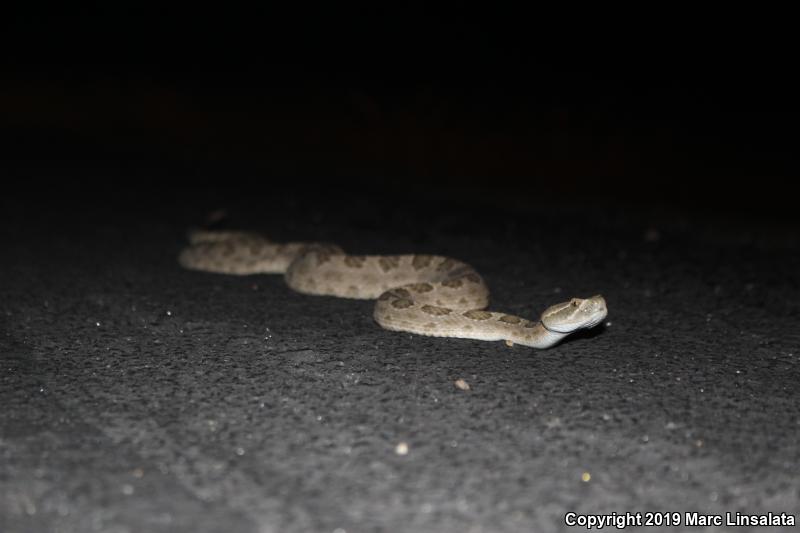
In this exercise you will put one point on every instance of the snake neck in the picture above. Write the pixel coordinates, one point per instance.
(541, 337)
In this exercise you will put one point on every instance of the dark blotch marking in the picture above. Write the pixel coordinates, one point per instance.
(354, 261)
(477, 314)
(322, 257)
(436, 311)
(388, 263)
(421, 261)
(447, 264)
(402, 303)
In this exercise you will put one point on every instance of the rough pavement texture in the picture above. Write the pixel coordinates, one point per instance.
(137, 396)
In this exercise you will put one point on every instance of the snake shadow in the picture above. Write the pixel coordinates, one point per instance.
(586, 334)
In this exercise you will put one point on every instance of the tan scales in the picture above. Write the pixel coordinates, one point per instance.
(423, 294)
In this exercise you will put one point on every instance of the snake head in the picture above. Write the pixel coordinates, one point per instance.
(575, 314)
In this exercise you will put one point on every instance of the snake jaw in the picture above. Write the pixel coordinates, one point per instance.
(578, 313)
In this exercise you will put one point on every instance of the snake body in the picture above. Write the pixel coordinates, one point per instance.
(423, 294)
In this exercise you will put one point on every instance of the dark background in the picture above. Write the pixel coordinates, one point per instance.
(634, 109)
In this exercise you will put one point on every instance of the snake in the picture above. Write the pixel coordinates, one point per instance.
(422, 294)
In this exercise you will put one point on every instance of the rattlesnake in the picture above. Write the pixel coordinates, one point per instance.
(423, 294)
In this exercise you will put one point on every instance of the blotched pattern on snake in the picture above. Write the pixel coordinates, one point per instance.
(423, 294)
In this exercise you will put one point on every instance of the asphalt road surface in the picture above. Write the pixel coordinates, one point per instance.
(138, 396)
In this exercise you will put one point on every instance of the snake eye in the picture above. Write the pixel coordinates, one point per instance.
(574, 303)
